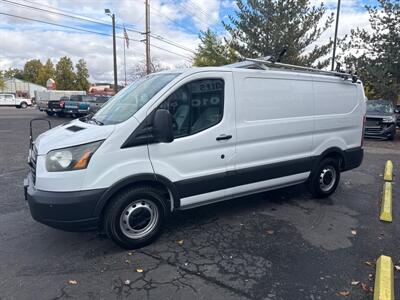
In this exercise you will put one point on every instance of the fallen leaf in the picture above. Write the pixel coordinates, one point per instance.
(344, 293)
(72, 282)
(127, 282)
(130, 253)
(365, 287)
(368, 263)
(127, 261)
(180, 242)
(397, 268)
(353, 232)
(139, 270)
(270, 231)
(355, 282)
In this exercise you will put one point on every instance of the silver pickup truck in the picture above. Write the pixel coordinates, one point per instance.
(11, 100)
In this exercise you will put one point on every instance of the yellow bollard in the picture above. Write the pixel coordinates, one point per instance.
(386, 205)
(384, 280)
(388, 171)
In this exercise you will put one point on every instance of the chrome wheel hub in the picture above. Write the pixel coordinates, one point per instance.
(139, 218)
(327, 178)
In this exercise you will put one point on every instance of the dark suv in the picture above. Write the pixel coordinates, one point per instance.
(380, 119)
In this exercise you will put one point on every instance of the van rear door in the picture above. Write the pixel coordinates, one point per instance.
(197, 161)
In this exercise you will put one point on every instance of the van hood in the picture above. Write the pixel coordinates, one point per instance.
(71, 134)
(378, 114)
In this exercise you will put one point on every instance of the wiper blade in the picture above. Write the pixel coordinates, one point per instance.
(96, 121)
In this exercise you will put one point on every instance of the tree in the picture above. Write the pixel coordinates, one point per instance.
(82, 76)
(375, 55)
(2, 81)
(266, 27)
(47, 71)
(213, 52)
(31, 70)
(65, 76)
(140, 70)
(14, 73)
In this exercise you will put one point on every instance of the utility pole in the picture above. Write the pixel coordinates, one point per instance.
(335, 38)
(115, 56)
(147, 33)
(108, 12)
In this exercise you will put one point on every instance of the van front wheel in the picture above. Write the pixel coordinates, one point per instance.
(135, 218)
(325, 178)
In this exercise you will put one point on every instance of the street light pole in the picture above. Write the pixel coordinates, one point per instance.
(108, 12)
(335, 38)
(147, 14)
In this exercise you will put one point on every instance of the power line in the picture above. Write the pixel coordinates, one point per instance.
(198, 8)
(158, 47)
(165, 40)
(82, 18)
(88, 31)
(77, 17)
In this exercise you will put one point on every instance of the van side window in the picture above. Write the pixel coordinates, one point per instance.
(196, 106)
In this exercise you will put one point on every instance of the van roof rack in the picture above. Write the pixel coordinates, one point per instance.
(269, 62)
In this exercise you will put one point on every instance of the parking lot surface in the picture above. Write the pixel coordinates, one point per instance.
(275, 245)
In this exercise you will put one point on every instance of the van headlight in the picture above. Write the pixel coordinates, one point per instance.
(388, 119)
(72, 158)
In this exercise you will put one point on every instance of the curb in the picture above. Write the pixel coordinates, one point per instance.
(388, 171)
(386, 206)
(384, 279)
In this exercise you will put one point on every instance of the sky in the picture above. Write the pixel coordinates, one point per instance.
(175, 26)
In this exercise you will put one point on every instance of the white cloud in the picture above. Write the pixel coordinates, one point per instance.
(179, 21)
(27, 40)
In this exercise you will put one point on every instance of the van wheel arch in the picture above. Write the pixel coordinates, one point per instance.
(163, 185)
(335, 153)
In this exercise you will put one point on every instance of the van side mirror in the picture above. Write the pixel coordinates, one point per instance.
(162, 126)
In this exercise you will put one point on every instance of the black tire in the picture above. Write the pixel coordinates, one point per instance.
(325, 178)
(133, 199)
(392, 136)
(50, 113)
(60, 114)
(23, 105)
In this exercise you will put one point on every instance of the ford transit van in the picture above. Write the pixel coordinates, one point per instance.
(180, 139)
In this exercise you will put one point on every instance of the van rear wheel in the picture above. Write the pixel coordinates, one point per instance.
(135, 218)
(325, 178)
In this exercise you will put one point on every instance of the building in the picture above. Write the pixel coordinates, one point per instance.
(21, 88)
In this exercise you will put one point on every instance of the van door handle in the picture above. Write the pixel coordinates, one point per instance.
(224, 137)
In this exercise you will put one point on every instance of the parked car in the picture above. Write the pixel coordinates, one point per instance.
(98, 103)
(380, 119)
(398, 115)
(11, 100)
(185, 138)
(78, 105)
(43, 97)
(56, 107)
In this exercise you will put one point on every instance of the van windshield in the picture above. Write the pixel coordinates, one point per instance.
(380, 106)
(127, 102)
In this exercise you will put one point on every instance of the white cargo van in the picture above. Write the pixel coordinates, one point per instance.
(180, 139)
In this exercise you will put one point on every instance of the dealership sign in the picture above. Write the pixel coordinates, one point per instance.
(51, 84)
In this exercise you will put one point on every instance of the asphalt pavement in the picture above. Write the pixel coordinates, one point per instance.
(275, 245)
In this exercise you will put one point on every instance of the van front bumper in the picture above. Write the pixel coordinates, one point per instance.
(70, 211)
(383, 131)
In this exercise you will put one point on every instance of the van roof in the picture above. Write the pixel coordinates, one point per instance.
(236, 68)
